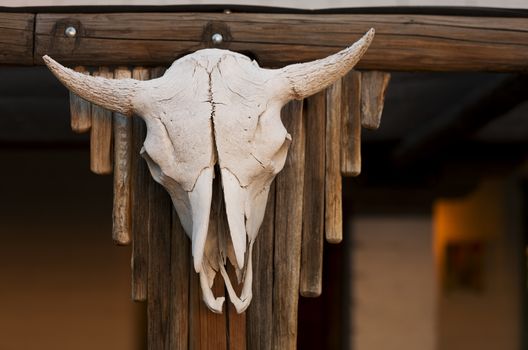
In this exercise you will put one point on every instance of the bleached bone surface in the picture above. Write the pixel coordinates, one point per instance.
(216, 108)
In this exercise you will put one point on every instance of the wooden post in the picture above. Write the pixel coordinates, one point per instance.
(121, 231)
(179, 291)
(333, 205)
(159, 268)
(140, 178)
(288, 232)
(260, 312)
(373, 88)
(351, 125)
(314, 193)
(101, 134)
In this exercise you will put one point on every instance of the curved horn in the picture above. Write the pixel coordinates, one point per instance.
(306, 79)
(114, 94)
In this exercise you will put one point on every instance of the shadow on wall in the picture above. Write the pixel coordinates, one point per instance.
(64, 283)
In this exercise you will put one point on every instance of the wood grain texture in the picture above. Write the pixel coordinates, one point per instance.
(260, 312)
(236, 323)
(121, 230)
(403, 42)
(288, 231)
(16, 38)
(179, 292)
(351, 124)
(159, 269)
(373, 89)
(207, 330)
(333, 186)
(80, 109)
(314, 195)
(140, 178)
(101, 155)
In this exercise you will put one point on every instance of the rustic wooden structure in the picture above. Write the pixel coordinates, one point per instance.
(305, 203)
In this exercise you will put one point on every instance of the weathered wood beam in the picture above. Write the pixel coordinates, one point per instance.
(373, 89)
(351, 124)
(140, 178)
(121, 230)
(179, 293)
(288, 231)
(260, 312)
(479, 108)
(403, 42)
(101, 155)
(333, 201)
(16, 38)
(311, 278)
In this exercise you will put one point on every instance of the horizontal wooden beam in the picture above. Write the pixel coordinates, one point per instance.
(403, 42)
(16, 38)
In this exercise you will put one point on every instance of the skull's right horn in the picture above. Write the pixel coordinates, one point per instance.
(114, 94)
(305, 79)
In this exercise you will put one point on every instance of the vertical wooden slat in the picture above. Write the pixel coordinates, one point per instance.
(140, 178)
(121, 231)
(260, 312)
(101, 134)
(314, 193)
(373, 88)
(236, 323)
(207, 329)
(333, 200)
(351, 125)
(80, 109)
(288, 232)
(159, 269)
(159, 297)
(180, 266)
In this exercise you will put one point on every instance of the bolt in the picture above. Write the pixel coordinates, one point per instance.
(227, 11)
(217, 38)
(70, 32)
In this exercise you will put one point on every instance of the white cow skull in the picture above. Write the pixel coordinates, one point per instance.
(216, 108)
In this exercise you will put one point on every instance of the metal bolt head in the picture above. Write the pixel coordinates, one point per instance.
(217, 38)
(227, 11)
(70, 32)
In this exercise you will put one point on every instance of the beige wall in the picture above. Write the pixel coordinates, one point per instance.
(393, 288)
(488, 319)
(64, 285)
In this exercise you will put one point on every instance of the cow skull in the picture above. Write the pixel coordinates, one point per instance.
(216, 108)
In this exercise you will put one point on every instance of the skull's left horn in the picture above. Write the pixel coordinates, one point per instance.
(114, 94)
(305, 79)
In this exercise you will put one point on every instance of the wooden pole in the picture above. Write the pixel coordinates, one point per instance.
(179, 291)
(333, 201)
(101, 134)
(260, 312)
(140, 178)
(121, 231)
(373, 88)
(288, 232)
(351, 125)
(314, 194)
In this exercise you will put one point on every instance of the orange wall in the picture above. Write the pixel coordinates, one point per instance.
(488, 319)
(64, 285)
